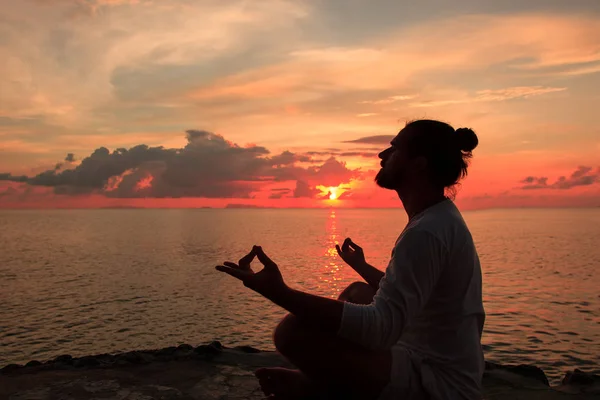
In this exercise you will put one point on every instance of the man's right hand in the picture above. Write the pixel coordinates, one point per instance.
(351, 253)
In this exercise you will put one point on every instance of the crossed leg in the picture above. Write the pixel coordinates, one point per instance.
(325, 362)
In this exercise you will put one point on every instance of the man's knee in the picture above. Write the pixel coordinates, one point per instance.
(357, 291)
(287, 334)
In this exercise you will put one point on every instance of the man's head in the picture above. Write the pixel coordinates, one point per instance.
(426, 153)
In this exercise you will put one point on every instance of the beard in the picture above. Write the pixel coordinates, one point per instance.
(388, 179)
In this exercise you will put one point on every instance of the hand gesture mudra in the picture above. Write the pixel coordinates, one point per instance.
(267, 281)
(351, 253)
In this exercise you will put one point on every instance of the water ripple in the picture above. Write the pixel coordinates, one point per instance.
(82, 282)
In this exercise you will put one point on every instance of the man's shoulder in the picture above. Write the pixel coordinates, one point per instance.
(440, 219)
(418, 234)
(445, 225)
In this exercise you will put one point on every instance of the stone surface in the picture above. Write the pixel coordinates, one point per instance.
(212, 372)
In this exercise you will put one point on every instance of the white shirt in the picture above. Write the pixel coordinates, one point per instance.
(430, 301)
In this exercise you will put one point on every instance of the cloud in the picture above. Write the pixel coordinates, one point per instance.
(475, 41)
(303, 189)
(331, 173)
(287, 158)
(278, 193)
(11, 178)
(158, 68)
(70, 70)
(388, 100)
(582, 176)
(376, 139)
(208, 166)
(364, 154)
(510, 93)
(359, 152)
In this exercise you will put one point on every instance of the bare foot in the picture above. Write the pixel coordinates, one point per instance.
(283, 383)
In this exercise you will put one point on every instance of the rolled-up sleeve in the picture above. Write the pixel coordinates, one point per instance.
(410, 278)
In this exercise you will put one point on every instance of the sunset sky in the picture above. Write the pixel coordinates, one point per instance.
(192, 103)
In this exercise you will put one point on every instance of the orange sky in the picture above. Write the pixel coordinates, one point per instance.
(123, 103)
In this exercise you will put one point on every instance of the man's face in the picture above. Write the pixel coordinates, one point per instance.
(395, 164)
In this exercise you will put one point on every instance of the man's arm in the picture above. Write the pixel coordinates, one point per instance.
(354, 256)
(414, 271)
(418, 261)
(370, 274)
(416, 266)
(321, 311)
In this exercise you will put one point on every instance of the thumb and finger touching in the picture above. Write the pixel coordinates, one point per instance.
(247, 259)
(242, 270)
(357, 247)
(264, 259)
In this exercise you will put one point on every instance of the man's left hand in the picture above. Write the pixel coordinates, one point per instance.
(267, 282)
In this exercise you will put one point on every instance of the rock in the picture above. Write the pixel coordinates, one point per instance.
(217, 345)
(184, 351)
(146, 357)
(87, 361)
(208, 350)
(166, 353)
(526, 371)
(11, 367)
(132, 357)
(578, 381)
(64, 359)
(578, 377)
(33, 363)
(185, 348)
(247, 349)
(105, 359)
(213, 371)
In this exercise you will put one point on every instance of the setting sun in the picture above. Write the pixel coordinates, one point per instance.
(333, 193)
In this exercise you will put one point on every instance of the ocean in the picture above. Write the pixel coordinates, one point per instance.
(84, 282)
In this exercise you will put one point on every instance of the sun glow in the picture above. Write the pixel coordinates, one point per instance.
(333, 193)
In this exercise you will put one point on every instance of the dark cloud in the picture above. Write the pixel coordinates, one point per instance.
(376, 139)
(12, 178)
(583, 176)
(70, 157)
(331, 173)
(287, 158)
(278, 193)
(367, 153)
(207, 166)
(303, 189)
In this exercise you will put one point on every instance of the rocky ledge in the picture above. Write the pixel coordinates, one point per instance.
(213, 372)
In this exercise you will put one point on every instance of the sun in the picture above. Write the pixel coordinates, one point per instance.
(333, 193)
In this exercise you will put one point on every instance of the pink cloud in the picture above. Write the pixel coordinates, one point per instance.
(582, 176)
(208, 166)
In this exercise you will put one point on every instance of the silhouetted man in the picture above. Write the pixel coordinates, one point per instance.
(413, 332)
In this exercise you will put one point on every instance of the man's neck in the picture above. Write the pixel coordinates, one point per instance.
(416, 202)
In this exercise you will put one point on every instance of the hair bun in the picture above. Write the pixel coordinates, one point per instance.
(467, 139)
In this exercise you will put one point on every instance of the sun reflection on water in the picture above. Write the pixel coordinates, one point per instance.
(332, 268)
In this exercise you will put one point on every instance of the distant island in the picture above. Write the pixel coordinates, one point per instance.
(241, 205)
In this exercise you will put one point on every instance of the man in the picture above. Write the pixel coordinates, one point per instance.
(413, 332)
